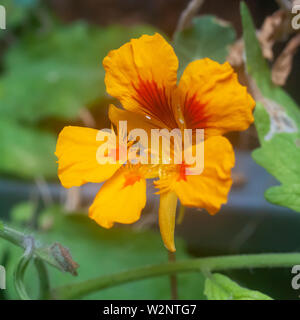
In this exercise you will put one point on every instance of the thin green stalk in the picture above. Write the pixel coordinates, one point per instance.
(43, 278)
(21, 269)
(12, 236)
(270, 260)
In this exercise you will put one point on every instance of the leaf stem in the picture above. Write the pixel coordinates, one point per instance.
(21, 268)
(55, 254)
(270, 260)
(12, 236)
(43, 277)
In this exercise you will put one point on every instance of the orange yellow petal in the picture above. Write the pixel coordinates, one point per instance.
(142, 74)
(76, 151)
(121, 199)
(167, 214)
(208, 190)
(213, 99)
(134, 120)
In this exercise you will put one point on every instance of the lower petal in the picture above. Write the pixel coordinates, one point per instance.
(76, 151)
(121, 199)
(209, 190)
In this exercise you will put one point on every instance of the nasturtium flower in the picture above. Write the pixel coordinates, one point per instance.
(142, 75)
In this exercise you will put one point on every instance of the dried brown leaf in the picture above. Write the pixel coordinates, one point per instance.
(283, 64)
(275, 27)
(295, 2)
(236, 54)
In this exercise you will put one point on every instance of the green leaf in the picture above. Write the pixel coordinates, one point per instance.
(99, 252)
(256, 65)
(286, 195)
(26, 152)
(277, 120)
(207, 37)
(279, 157)
(220, 287)
(57, 74)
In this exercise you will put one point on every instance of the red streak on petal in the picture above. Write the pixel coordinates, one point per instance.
(194, 113)
(182, 172)
(155, 102)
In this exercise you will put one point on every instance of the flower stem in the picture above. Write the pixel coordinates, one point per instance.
(173, 278)
(210, 264)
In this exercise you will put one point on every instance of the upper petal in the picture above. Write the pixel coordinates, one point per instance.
(133, 120)
(76, 151)
(213, 99)
(142, 74)
(121, 199)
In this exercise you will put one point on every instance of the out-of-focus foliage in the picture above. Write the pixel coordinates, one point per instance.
(220, 287)
(277, 119)
(49, 74)
(111, 251)
(23, 212)
(206, 37)
(17, 12)
(58, 73)
(26, 151)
